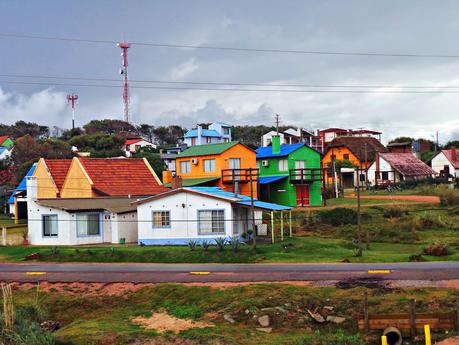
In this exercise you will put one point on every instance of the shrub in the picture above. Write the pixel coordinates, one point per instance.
(192, 244)
(205, 245)
(338, 216)
(416, 258)
(220, 243)
(188, 311)
(430, 220)
(235, 243)
(395, 212)
(437, 250)
(449, 197)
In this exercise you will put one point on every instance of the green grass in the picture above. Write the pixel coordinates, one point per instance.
(363, 202)
(91, 317)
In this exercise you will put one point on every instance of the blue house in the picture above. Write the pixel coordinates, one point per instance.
(217, 132)
(19, 195)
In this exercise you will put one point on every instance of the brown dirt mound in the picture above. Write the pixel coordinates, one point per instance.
(449, 341)
(163, 322)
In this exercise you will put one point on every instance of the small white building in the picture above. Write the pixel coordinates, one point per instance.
(79, 221)
(197, 213)
(5, 153)
(446, 163)
(217, 132)
(397, 167)
(131, 146)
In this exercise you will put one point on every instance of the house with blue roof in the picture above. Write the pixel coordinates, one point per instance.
(217, 132)
(17, 201)
(5, 152)
(290, 174)
(200, 214)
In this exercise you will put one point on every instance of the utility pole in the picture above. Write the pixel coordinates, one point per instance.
(252, 209)
(359, 214)
(436, 142)
(277, 123)
(72, 98)
(124, 72)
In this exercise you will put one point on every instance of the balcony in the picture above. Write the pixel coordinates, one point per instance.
(230, 176)
(306, 175)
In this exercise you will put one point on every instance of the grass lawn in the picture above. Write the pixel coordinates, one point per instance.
(89, 316)
(364, 202)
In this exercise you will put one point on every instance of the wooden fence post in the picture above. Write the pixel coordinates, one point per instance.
(365, 313)
(272, 226)
(282, 224)
(4, 241)
(413, 319)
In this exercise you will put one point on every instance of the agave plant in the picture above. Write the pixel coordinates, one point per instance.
(220, 242)
(235, 243)
(205, 245)
(192, 244)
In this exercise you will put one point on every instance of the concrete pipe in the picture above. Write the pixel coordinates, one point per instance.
(393, 335)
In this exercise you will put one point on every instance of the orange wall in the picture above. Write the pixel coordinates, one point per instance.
(339, 152)
(46, 188)
(248, 160)
(77, 184)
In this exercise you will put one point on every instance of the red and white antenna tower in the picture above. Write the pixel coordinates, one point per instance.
(124, 72)
(72, 99)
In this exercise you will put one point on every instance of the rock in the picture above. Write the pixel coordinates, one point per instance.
(327, 307)
(335, 319)
(281, 309)
(316, 316)
(264, 320)
(265, 329)
(247, 312)
(228, 318)
(345, 261)
(33, 256)
(50, 325)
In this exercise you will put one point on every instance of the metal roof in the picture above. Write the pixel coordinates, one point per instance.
(265, 205)
(205, 133)
(209, 149)
(115, 205)
(407, 164)
(270, 179)
(285, 150)
(188, 182)
(22, 186)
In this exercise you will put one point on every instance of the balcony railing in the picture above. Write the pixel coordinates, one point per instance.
(306, 175)
(239, 175)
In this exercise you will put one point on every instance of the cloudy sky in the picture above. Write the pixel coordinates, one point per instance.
(388, 27)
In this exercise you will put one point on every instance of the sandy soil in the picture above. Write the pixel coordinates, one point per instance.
(163, 322)
(449, 341)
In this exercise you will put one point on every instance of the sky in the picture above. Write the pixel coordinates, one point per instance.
(389, 27)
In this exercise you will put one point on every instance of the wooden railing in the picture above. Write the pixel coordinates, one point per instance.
(306, 175)
(239, 175)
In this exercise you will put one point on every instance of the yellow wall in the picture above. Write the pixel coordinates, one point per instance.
(339, 152)
(46, 187)
(77, 184)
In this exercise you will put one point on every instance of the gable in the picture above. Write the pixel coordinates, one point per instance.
(46, 187)
(77, 183)
(206, 150)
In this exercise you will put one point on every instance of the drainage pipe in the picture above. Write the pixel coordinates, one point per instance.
(393, 335)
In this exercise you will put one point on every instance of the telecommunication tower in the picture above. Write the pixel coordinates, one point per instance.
(124, 72)
(72, 99)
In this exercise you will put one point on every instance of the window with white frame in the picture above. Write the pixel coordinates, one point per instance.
(211, 222)
(185, 167)
(88, 224)
(161, 219)
(209, 165)
(50, 225)
(283, 165)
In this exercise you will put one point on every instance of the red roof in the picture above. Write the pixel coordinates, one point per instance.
(132, 141)
(407, 164)
(449, 155)
(3, 138)
(58, 169)
(121, 176)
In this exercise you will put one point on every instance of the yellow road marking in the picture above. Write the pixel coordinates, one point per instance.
(35, 273)
(200, 273)
(379, 271)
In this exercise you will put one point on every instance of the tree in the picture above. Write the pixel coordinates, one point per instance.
(250, 135)
(108, 126)
(70, 133)
(168, 135)
(146, 131)
(99, 145)
(452, 143)
(153, 158)
(22, 128)
(401, 140)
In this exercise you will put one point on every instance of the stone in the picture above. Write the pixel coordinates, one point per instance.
(33, 256)
(265, 329)
(50, 325)
(316, 316)
(335, 319)
(228, 318)
(247, 312)
(264, 320)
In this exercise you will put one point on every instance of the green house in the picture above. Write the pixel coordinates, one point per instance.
(290, 174)
(5, 141)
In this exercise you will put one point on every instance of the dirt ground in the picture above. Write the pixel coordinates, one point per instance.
(163, 322)
(449, 341)
(416, 198)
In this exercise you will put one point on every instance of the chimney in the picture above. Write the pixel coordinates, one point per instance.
(32, 186)
(199, 139)
(176, 182)
(275, 144)
(453, 154)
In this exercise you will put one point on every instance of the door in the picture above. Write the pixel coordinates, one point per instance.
(235, 163)
(302, 195)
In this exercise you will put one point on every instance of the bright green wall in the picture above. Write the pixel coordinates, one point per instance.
(7, 143)
(288, 197)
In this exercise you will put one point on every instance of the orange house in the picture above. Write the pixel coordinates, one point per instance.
(360, 151)
(231, 166)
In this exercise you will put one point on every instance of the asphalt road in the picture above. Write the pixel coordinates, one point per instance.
(160, 273)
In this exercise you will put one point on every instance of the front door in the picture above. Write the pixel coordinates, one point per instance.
(302, 195)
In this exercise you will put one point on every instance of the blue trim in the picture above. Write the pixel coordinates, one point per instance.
(153, 220)
(270, 179)
(43, 225)
(177, 241)
(212, 233)
(100, 234)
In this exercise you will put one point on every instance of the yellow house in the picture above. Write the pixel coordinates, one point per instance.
(50, 175)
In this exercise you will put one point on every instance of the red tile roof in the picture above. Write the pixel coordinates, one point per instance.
(362, 147)
(448, 154)
(407, 164)
(132, 141)
(3, 138)
(58, 169)
(121, 176)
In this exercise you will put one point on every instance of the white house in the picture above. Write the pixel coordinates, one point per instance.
(78, 221)
(197, 213)
(217, 132)
(446, 163)
(397, 167)
(5, 152)
(293, 136)
(131, 146)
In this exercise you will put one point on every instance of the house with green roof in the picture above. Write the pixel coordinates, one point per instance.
(290, 175)
(6, 141)
(230, 166)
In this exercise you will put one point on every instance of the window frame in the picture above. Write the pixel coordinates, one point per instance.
(168, 212)
(222, 221)
(346, 156)
(279, 164)
(87, 233)
(209, 160)
(188, 164)
(43, 216)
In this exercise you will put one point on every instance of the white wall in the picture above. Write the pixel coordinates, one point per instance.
(439, 162)
(383, 166)
(124, 226)
(132, 147)
(182, 206)
(267, 138)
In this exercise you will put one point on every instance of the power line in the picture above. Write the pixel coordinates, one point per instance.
(228, 83)
(238, 49)
(230, 89)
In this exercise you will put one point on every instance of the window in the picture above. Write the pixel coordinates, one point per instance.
(209, 165)
(226, 131)
(346, 156)
(211, 222)
(88, 224)
(283, 165)
(128, 147)
(193, 141)
(50, 225)
(137, 147)
(185, 167)
(300, 164)
(208, 140)
(385, 175)
(161, 219)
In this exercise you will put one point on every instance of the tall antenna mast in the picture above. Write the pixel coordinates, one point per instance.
(124, 72)
(277, 123)
(71, 99)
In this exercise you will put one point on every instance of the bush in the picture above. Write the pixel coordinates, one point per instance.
(437, 250)
(416, 258)
(395, 212)
(430, 220)
(220, 243)
(205, 245)
(235, 243)
(192, 244)
(338, 216)
(189, 311)
(449, 197)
